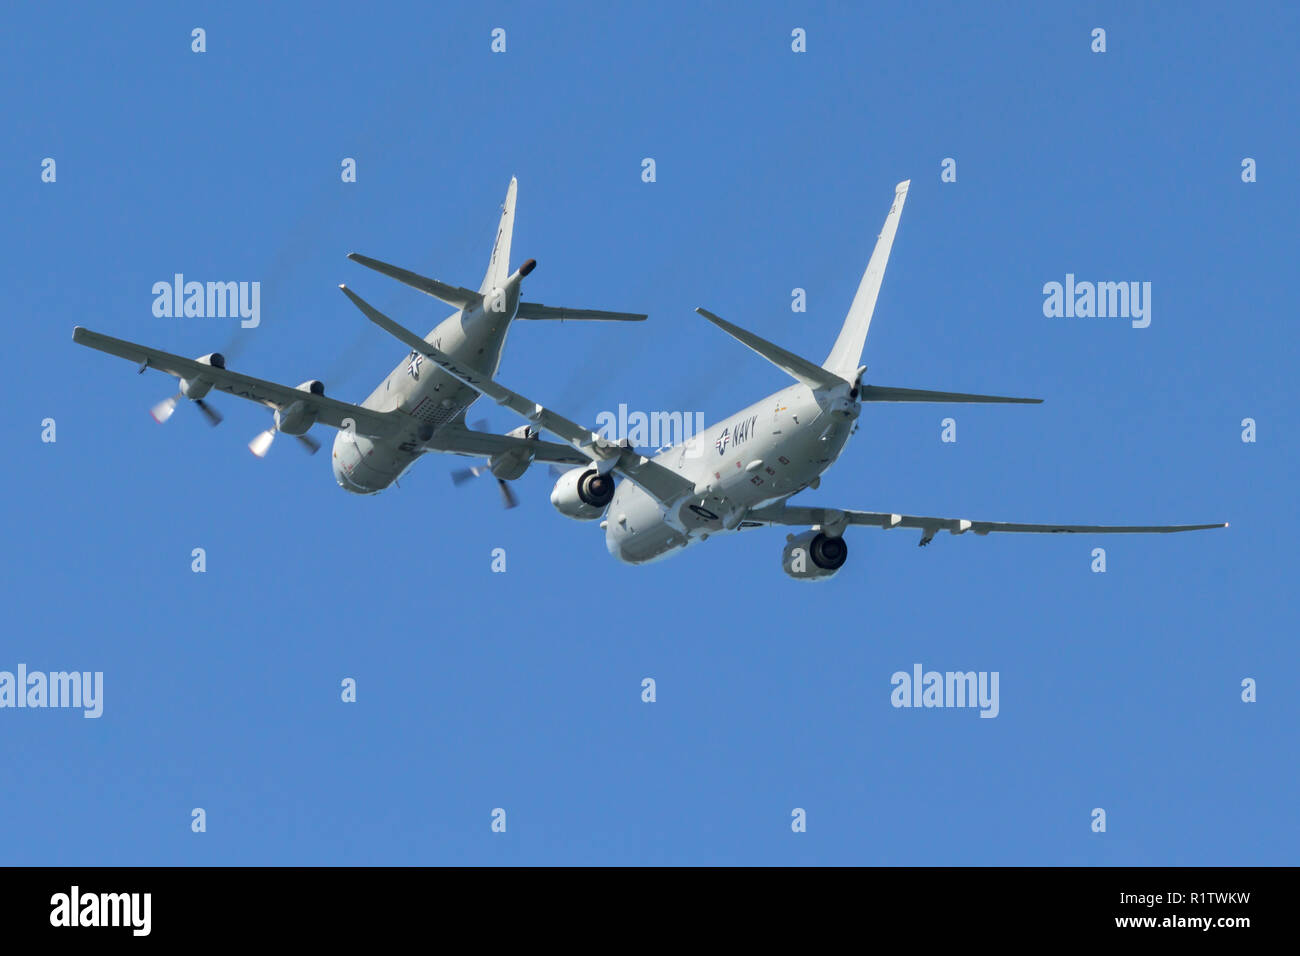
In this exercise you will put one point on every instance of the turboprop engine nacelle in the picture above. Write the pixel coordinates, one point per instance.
(583, 494)
(813, 556)
(197, 387)
(509, 465)
(297, 418)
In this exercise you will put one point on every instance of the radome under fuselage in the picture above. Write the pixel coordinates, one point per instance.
(786, 441)
(476, 336)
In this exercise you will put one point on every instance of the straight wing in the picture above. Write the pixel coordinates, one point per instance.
(834, 518)
(535, 310)
(329, 411)
(455, 439)
(663, 483)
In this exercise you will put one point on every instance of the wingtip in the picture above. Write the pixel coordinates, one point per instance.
(902, 187)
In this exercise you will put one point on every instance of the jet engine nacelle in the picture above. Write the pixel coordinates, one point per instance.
(583, 494)
(198, 387)
(813, 556)
(509, 465)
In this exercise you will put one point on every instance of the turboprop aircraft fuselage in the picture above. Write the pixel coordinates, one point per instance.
(417, 387)
(420, 407)
(756, 457)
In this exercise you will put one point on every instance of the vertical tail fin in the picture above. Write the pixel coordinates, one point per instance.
(846, 354)
(499, 266)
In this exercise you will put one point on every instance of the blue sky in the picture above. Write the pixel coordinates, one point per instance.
(522, 690)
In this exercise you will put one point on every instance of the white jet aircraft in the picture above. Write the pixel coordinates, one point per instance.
(418, 408)
(741, 472)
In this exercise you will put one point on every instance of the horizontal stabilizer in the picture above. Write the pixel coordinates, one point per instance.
(453, 295)
(810, 373)
(880, 393)
(399, 332)
(535, 310)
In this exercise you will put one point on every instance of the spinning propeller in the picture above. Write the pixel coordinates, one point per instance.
(261, 443)
(293, 419)
(163, 410)
(461, 475)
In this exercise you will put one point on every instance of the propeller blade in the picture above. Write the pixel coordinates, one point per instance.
(260, 445)
(163, 410)
(462, 475)
(311, 444)
(213, 416)
(482, 425)
(508, 498)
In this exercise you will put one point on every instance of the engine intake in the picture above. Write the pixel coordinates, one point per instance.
(813, 556)
(583, 494)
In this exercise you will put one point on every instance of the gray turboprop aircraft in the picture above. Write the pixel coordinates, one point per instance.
(417, 408)
(735, 475)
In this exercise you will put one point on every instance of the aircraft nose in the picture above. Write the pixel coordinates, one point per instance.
(623, 544)
(614, 537)
(342, 477)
